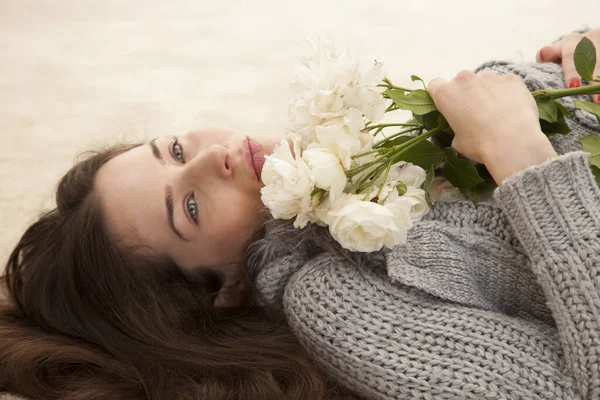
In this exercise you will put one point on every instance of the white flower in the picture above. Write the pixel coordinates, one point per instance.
(326, 169)
(335, 136)
(288, 187)
(419, 206)
(343, 136)
(330, 86)
(412, 202)
(362, 225)
(366, 96)
(411, 175)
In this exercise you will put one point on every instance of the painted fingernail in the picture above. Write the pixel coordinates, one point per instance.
(574, 83)
(596, 99)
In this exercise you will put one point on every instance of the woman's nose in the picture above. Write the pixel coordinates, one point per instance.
(209, 162)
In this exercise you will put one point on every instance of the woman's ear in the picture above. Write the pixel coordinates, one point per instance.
(233, 286)
(231, 294)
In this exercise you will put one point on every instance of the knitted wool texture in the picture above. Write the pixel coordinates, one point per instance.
(497, 300)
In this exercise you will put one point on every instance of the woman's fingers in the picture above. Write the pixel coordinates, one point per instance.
(572, 78)
(433, 89)
(563, 51)
(550, 53)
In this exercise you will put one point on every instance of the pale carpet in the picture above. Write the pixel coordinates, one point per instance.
(77, 74)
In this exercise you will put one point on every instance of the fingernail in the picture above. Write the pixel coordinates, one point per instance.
(596, 99)
(540, 54)
(574, 83)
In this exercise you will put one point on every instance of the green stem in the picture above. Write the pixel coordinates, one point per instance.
(404, 147)
(391, 107)
(395, 135)
(558, 93)
(387, 172)
(366, 153)
(390, 86)
(355, 171)
(392, 154)
(386, 125)
(373, 175)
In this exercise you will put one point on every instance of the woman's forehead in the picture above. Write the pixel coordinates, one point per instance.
(129, 193)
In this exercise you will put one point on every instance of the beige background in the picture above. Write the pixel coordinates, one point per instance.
(77, 74)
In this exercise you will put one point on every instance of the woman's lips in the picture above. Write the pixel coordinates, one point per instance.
(254, 156)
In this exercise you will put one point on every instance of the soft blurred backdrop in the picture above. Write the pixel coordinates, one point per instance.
(78, 74)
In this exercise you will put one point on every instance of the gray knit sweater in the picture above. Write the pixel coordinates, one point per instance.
(498, 300)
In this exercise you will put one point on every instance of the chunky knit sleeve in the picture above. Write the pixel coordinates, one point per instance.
(554, 209)
(385, 340)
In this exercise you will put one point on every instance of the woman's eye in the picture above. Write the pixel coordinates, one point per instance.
(177, 151)
(192, 207)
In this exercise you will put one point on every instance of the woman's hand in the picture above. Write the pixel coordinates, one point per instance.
(562, 51)
(495, 121)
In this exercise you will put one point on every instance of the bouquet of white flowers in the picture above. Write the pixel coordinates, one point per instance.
(342, 171)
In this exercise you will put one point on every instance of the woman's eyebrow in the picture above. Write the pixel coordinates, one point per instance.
(156, 151)
(169, 204)
(168, 194)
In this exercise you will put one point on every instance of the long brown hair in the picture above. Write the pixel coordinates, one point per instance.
(84, 319)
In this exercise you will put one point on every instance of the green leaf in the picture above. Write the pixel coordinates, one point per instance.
(585, 58)
(588, 106)
(417, 78)
(424, 154)
(317, 191)
(427, 185)
(429, 120)
(401, 188)
(474, 194)
(417, 101)
(551, 128)
(443, 139)
(548, 110)
(591, 144)
(459, 171)
(596, 173)
(562, 109)
(428, 178)
(442, 123)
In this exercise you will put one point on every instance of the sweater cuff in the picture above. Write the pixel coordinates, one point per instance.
(581, 30)
(554, 204)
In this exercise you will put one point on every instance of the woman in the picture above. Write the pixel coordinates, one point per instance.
(138, 284)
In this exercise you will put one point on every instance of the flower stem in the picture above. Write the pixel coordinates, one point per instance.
(404, 147)
(355, 171)
(396, 87)
(366, 153)
(387, 172)
(386, 125)
(392, 155)
(391, 107)
(558, 93)
(372, 176)
(395, 135)
(388, 84)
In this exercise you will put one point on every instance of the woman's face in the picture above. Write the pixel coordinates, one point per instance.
(195, 199)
